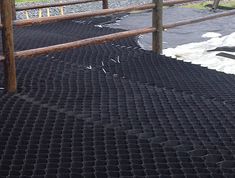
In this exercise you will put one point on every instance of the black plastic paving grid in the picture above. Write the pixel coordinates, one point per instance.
(175, 129)
(43, 142)
(29, 127)
(110, 101)
(144, 67)
(38, 141)
(56, 33)
(164, 72)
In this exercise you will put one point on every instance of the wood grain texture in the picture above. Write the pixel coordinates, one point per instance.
(13, 6)
(105, 4)
(8, 46)
(157, 23)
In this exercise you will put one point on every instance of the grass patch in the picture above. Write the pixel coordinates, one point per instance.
(22, 1)
(226, 4)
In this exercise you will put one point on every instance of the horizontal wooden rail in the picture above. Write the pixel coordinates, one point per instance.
(167, 3)
(44, 20)
(80, 43)
(201, 19)
(171, 3)
(54, 5)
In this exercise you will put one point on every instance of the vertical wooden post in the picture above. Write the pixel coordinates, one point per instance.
(105, 4)
(13, 9)
(48, 12)
(61, 9)
(40, 13)
(157, 23)
(8, 46)
(215, 4)
(0, 13)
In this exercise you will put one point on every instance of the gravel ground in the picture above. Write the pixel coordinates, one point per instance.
(77, 8)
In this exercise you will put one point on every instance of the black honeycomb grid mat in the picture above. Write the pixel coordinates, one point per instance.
(113, 110)
(42, 142)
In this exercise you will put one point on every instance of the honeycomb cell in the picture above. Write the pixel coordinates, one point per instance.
(113, 110)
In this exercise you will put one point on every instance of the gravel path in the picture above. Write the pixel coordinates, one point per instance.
(77, 8)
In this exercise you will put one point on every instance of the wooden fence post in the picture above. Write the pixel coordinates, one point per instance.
(61, 9)
(215, 4)
(105, 4)
(13, 9)
(0, 13)
(157, 23)
(8, 46)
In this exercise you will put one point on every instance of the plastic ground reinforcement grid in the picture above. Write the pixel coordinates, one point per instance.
(113, 110)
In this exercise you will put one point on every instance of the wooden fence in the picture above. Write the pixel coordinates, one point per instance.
(8, 10)
(59, 4)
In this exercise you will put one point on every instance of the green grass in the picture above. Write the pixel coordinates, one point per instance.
(22, 1)
(226, 4)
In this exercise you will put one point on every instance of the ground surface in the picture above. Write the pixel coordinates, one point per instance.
(30, 1)
(217, 53)
(180, 35)
(224, 4)
(79, 7)
(113, 110)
